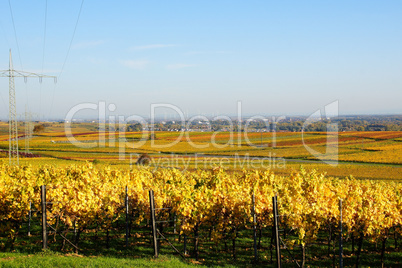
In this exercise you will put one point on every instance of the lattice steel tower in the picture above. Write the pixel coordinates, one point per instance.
(13, 154)
(28, 129)
(12, 118)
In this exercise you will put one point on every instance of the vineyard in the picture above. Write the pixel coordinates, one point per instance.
(364, 155)
(210, 208)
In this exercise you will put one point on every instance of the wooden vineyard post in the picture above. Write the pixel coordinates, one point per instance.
(153, 222)
(29, 218)
(255, 230)
(340, 236)
(155, 231)
(185, 244)
(174, 223)
(44, 223)
(276, 230)
(127, 216)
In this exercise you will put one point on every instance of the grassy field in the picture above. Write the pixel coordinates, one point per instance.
(51, 259)
(98, 249)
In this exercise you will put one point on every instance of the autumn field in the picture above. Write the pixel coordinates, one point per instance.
(366, 155)
(207, 178)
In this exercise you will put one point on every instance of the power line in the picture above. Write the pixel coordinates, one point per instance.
(18, 46)
(4, 103)
(5, 35)
(43, 57)
(68, 52)
(44, 37)
(8, 44)
(15, 34)
(72, 38)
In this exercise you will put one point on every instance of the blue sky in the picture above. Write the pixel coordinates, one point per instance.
(276, 57)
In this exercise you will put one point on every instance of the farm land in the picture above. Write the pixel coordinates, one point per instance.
(209, 174)
(363, 155)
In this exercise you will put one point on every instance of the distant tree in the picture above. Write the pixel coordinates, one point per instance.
(134, 127)
(144, 160)
(360, 128)
(38, 128)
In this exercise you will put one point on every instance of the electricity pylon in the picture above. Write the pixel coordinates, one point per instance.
(28, 129)
(13, 154)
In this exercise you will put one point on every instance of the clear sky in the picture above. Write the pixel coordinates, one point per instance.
(277, 57)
